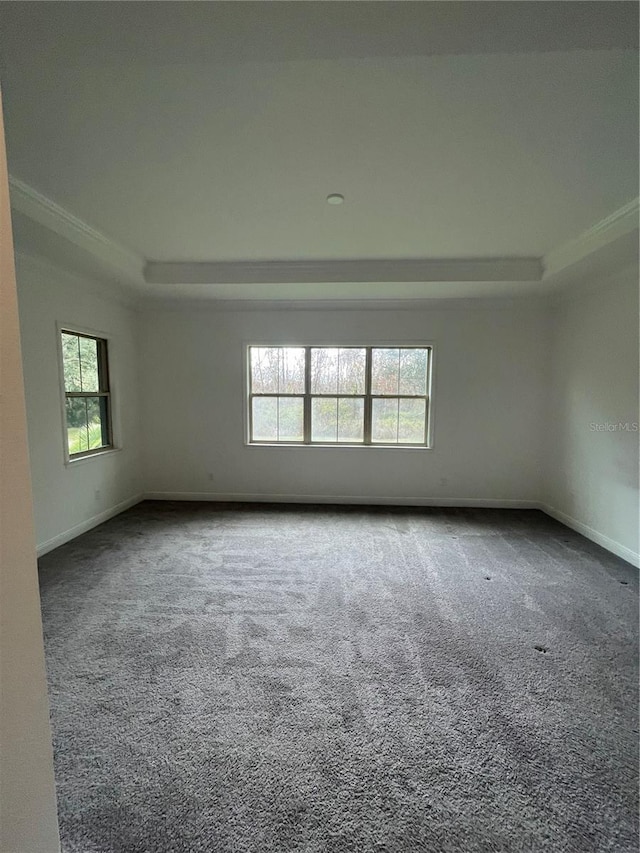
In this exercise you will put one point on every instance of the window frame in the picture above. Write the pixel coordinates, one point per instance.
(367, 397)
(105, 365)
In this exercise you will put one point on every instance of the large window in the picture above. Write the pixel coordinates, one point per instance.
(339, 395)
(87, 397)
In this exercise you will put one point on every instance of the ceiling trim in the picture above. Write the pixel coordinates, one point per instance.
(127, 267)
(125, 264)
(374, 270)
(618, 224)
(507, 302)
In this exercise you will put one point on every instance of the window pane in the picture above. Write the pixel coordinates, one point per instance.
(413, 371)
(87, 423)
(324, 370)
(88, 363)
(351, 369)
(290, 418)
(277, 370)
(384, 421)
(264, 370)
(351, 420)
(265, 419)
(411, 418)
(324, 419)
(77, 435)
(291, 370)
(71, 362)
(385, 371)
(97, 429)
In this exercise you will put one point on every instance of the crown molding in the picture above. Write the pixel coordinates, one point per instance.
(125, 265)
(618, 224)
(374, 270)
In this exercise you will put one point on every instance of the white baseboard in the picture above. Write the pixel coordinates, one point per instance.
(378, 500)
(88, 524)
(242, 497)
(595, 536)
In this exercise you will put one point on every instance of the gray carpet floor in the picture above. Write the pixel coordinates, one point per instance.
(263, 679)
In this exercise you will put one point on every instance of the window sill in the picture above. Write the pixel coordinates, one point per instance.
(340, 446)
(74, 460)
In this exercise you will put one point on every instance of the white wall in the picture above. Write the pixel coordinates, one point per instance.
(592, 463)
(27, 794)
(487, 405)
(73, 497)
(518, 385)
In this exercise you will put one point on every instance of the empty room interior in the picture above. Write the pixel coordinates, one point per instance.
(319, 458)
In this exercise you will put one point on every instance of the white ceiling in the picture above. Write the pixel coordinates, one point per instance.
(213, 131)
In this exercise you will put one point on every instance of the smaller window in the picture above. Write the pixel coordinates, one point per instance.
(87, 397)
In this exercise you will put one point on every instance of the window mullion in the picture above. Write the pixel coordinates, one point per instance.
(306, 415)
(80, 364)
(367, 396)
(426, 421)
(86, 421)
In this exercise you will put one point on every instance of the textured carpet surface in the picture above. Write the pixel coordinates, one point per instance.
(263, 679)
